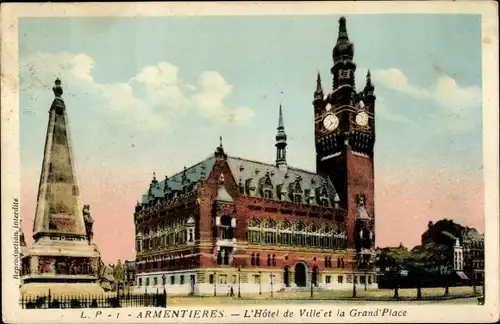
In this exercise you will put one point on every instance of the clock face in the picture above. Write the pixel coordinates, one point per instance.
(330, 122)
(362, 119)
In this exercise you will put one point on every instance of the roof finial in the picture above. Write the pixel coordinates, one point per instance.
(342, 29)
(57, 88)
(220, 139)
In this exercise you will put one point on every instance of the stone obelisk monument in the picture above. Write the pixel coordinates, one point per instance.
(62, 257)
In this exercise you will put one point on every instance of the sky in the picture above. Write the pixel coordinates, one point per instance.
(148, 95)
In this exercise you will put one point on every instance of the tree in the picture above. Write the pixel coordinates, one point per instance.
(430, 259)
(395, 259)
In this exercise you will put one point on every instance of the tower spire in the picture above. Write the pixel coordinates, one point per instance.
(318, 93)
(59, 207)
(281, 142)
(343, 58)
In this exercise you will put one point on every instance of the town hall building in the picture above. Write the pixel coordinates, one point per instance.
(230, 222)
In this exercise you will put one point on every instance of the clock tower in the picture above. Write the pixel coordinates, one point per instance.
(345, 138)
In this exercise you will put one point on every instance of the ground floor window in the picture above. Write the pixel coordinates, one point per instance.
(172, 280)
(340, 279)
(349, 279)
(211, 279)
(369, 280)
(182, 280)
(328, 279)
(362, 279)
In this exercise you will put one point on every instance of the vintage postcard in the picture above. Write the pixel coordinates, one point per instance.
(250, 161)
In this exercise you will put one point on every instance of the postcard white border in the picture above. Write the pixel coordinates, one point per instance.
(11, 311)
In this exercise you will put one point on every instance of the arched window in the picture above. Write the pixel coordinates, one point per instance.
(300, 234)
(285, 234)
(254, 231)
(270, 232)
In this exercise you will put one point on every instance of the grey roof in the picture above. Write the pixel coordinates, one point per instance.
(253, 174)
(449, 234)
(361, 213)
(223, 195)
(473, 235)
(194, 174)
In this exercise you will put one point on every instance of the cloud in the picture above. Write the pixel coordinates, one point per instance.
(210, 100)
(457, 105)
(154, 98)
(446, 92)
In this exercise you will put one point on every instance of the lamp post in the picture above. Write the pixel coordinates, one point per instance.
(260, 282)
(272, 279)
(239, 282)
(312, 289)
(354, 279)
(215, 284)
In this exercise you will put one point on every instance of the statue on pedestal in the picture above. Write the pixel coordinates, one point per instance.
(89, 222)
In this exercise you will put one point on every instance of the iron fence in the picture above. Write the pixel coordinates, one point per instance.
(90, 301)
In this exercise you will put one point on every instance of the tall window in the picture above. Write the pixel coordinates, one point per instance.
(274, 259)
(253, 259)
(211, 278)
(257, 260)
(269, 260)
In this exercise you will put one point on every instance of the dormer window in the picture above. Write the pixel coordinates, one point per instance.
(297, 198)
(249, 187)
(268, 193)
(324, 202)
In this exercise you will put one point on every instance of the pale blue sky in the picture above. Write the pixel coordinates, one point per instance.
(426, 70)
(262, 57)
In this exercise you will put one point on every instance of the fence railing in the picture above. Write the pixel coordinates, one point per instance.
(90, 301)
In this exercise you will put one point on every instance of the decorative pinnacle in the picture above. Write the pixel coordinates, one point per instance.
(57, 88)
(319, 88)
(342, 29)
(280, 120)
(369, 86)
(281, 135)
(220, 139)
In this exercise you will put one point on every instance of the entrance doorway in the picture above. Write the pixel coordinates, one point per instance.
(286, 276)
(300, 274)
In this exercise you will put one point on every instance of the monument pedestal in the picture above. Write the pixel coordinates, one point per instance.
(66, 268)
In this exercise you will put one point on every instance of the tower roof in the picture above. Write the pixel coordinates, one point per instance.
(343, 49)
(59, 208)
